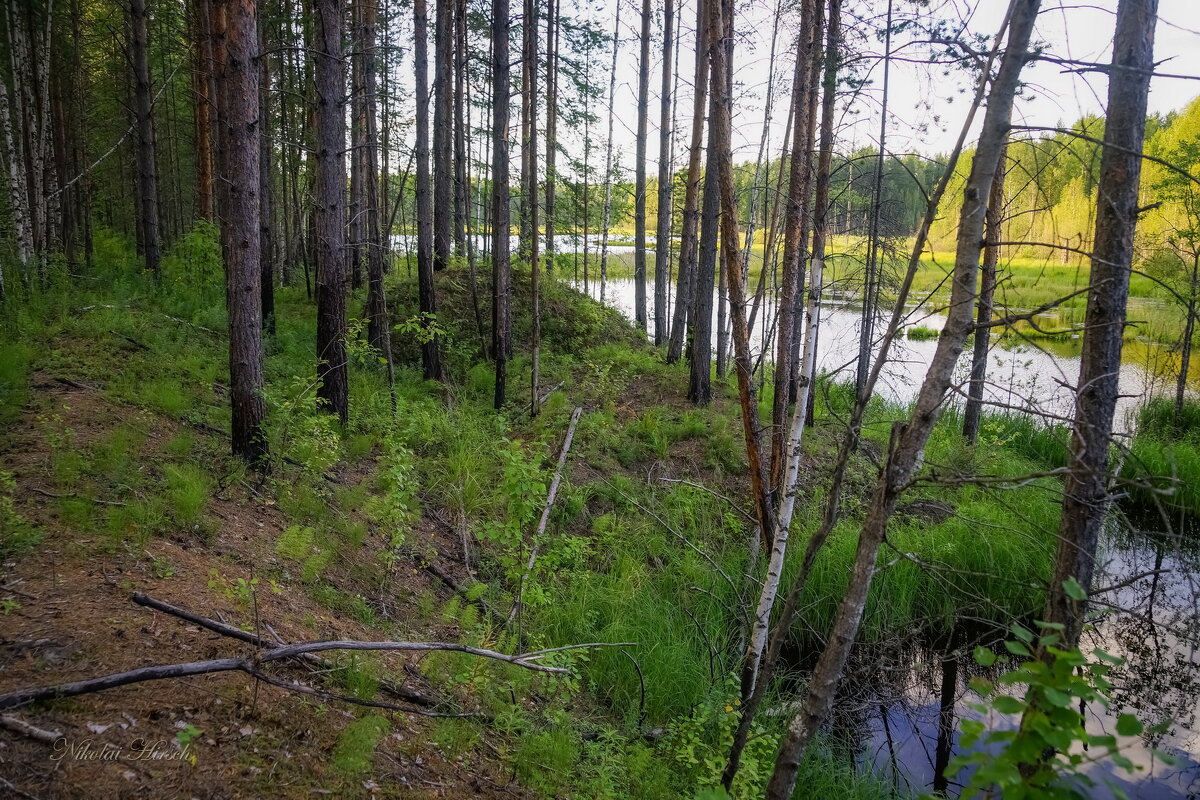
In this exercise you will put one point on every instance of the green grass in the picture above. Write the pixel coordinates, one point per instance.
(357, 743)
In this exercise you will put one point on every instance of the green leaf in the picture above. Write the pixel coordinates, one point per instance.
(1008, 705)
(1058, 698)
(1128, 725)
(1017, 649)
(981, 686)
(1022, 633)
(1074, 590)
(984, 657)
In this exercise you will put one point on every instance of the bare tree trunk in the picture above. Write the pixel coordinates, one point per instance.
(872, 278)
(239, 204)
(329, 210)
(443, 173)
(908, 439)
(204, 165)
(424, 211)
(266, 231)
(1189, 330)
(501, 269)
(721, 19)
(793, 244)
(662, 235)
(639, 185)
(552, 31)
(700, 342)
(979, 356)
(685, 280)
(147, 171)
(378, 327)
(529, 73)
(1085, 494)
(608, 159)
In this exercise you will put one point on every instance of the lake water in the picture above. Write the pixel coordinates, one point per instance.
(905, 724)
(1037, 378)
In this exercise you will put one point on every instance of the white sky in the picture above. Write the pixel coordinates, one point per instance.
(921, 118)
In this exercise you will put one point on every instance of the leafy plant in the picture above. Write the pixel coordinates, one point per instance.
(1045, 756)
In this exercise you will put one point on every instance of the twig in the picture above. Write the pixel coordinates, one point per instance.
(25, 729)
(45, 493)
(7, 784)
(541, 528)
(224, 629)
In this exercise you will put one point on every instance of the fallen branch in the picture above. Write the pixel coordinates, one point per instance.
(222, 628)
(56, 496)
(25, 729)
(541, 528)
(542, 400)
(251, 665)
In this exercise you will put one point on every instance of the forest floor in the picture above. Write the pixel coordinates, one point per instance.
(415, 525)
(119, 482)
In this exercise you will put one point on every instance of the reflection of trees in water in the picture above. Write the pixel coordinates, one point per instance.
(1157, 631)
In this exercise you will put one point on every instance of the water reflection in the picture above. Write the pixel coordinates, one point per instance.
(1021, 377)
(914, 731)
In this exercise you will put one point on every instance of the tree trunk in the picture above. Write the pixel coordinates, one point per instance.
(700, 341)
(871, 276)
(662, 235)
(1189, 329)
(529, 73)
(687, 275)
(147, 171)
(378, 327)
(973, 411)
(608, 159)
(639, 186)
(552, 26)
(1085, 494)
(424, 211)
(908, 439)
(443, 172)
(501, 269)
(329, 210)
(204, 147)
(793, 244)
(266, 231)
(239, 206)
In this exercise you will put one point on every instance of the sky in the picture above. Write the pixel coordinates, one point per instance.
(926, 108)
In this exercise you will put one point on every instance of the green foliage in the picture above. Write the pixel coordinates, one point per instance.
(396, 506)
(17, 534)
(299, 428)
(14, 380)
(188, 489)
(357, 743)
(921, 333)
(1046, 755)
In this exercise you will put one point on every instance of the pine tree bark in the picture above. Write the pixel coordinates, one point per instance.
(265, 218)
(329, 210)
(662, 234)
(608, 158)
(700, 343)
(424, 211)
(685, 281)
(529, 71)
(443, 170)
(203, 71)
(239, 205)
(143, 101)
(552, 30)
(378, 327)
(908, 439)
(639, 186)
(501, 269)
